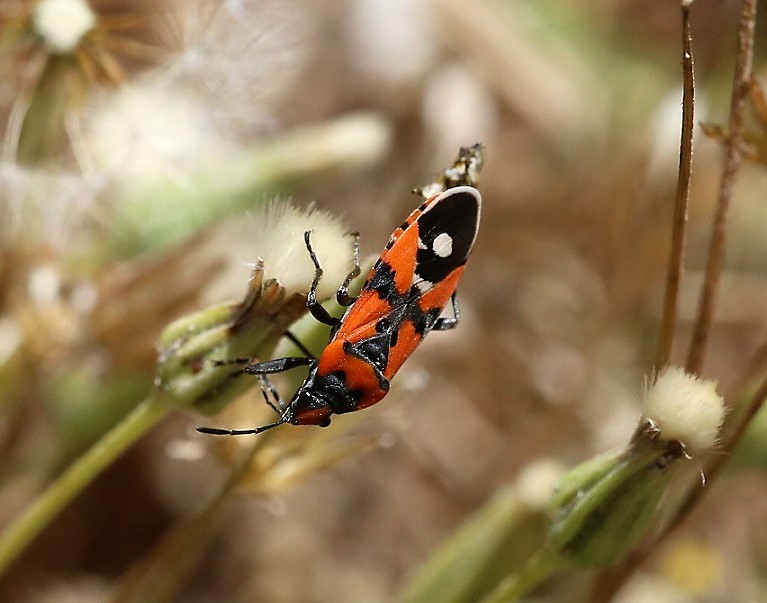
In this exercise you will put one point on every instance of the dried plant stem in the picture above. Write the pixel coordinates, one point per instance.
(608, 582)
(23, 530)
(679, 229)
(733, 156)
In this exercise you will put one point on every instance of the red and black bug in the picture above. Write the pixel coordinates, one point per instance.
(399, 304)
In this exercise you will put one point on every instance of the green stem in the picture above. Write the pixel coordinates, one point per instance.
(23, 530)
(539, 567)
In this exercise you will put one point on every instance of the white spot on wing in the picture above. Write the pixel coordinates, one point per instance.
(443, 245)
(421, 244)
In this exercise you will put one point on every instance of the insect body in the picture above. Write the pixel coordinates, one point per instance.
(399, 304)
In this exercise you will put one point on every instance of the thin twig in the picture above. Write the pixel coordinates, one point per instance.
(733, 155)
(675, 265)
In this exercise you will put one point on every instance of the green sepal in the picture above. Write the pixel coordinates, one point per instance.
(604, 507)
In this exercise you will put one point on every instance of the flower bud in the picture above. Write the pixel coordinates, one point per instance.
(602, 508)
(189, 371)
(192, 349)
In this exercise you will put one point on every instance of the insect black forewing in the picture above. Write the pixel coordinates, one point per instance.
(447, 231)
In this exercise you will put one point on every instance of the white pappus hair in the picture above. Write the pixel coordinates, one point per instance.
(279, 241)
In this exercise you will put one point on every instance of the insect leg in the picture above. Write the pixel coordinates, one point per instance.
(342, 296)
(319, 313)
(443, 324)
(278, 365)
(275, 402)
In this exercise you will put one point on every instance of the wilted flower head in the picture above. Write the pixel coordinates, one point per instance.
(232, 61)
(603, 507)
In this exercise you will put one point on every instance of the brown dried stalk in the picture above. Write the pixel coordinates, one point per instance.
(679, 231)
(608, 582)
(733, 156)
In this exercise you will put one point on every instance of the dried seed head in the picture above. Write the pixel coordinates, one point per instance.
(279, 237)
(685, 408)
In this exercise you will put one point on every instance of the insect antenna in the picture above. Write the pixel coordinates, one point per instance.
(285, 418)
(232, 362)
(297, 342)
(238, 432)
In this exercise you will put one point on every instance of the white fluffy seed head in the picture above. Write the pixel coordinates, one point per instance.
(685, 408)
(279, 240)
(63, 23)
